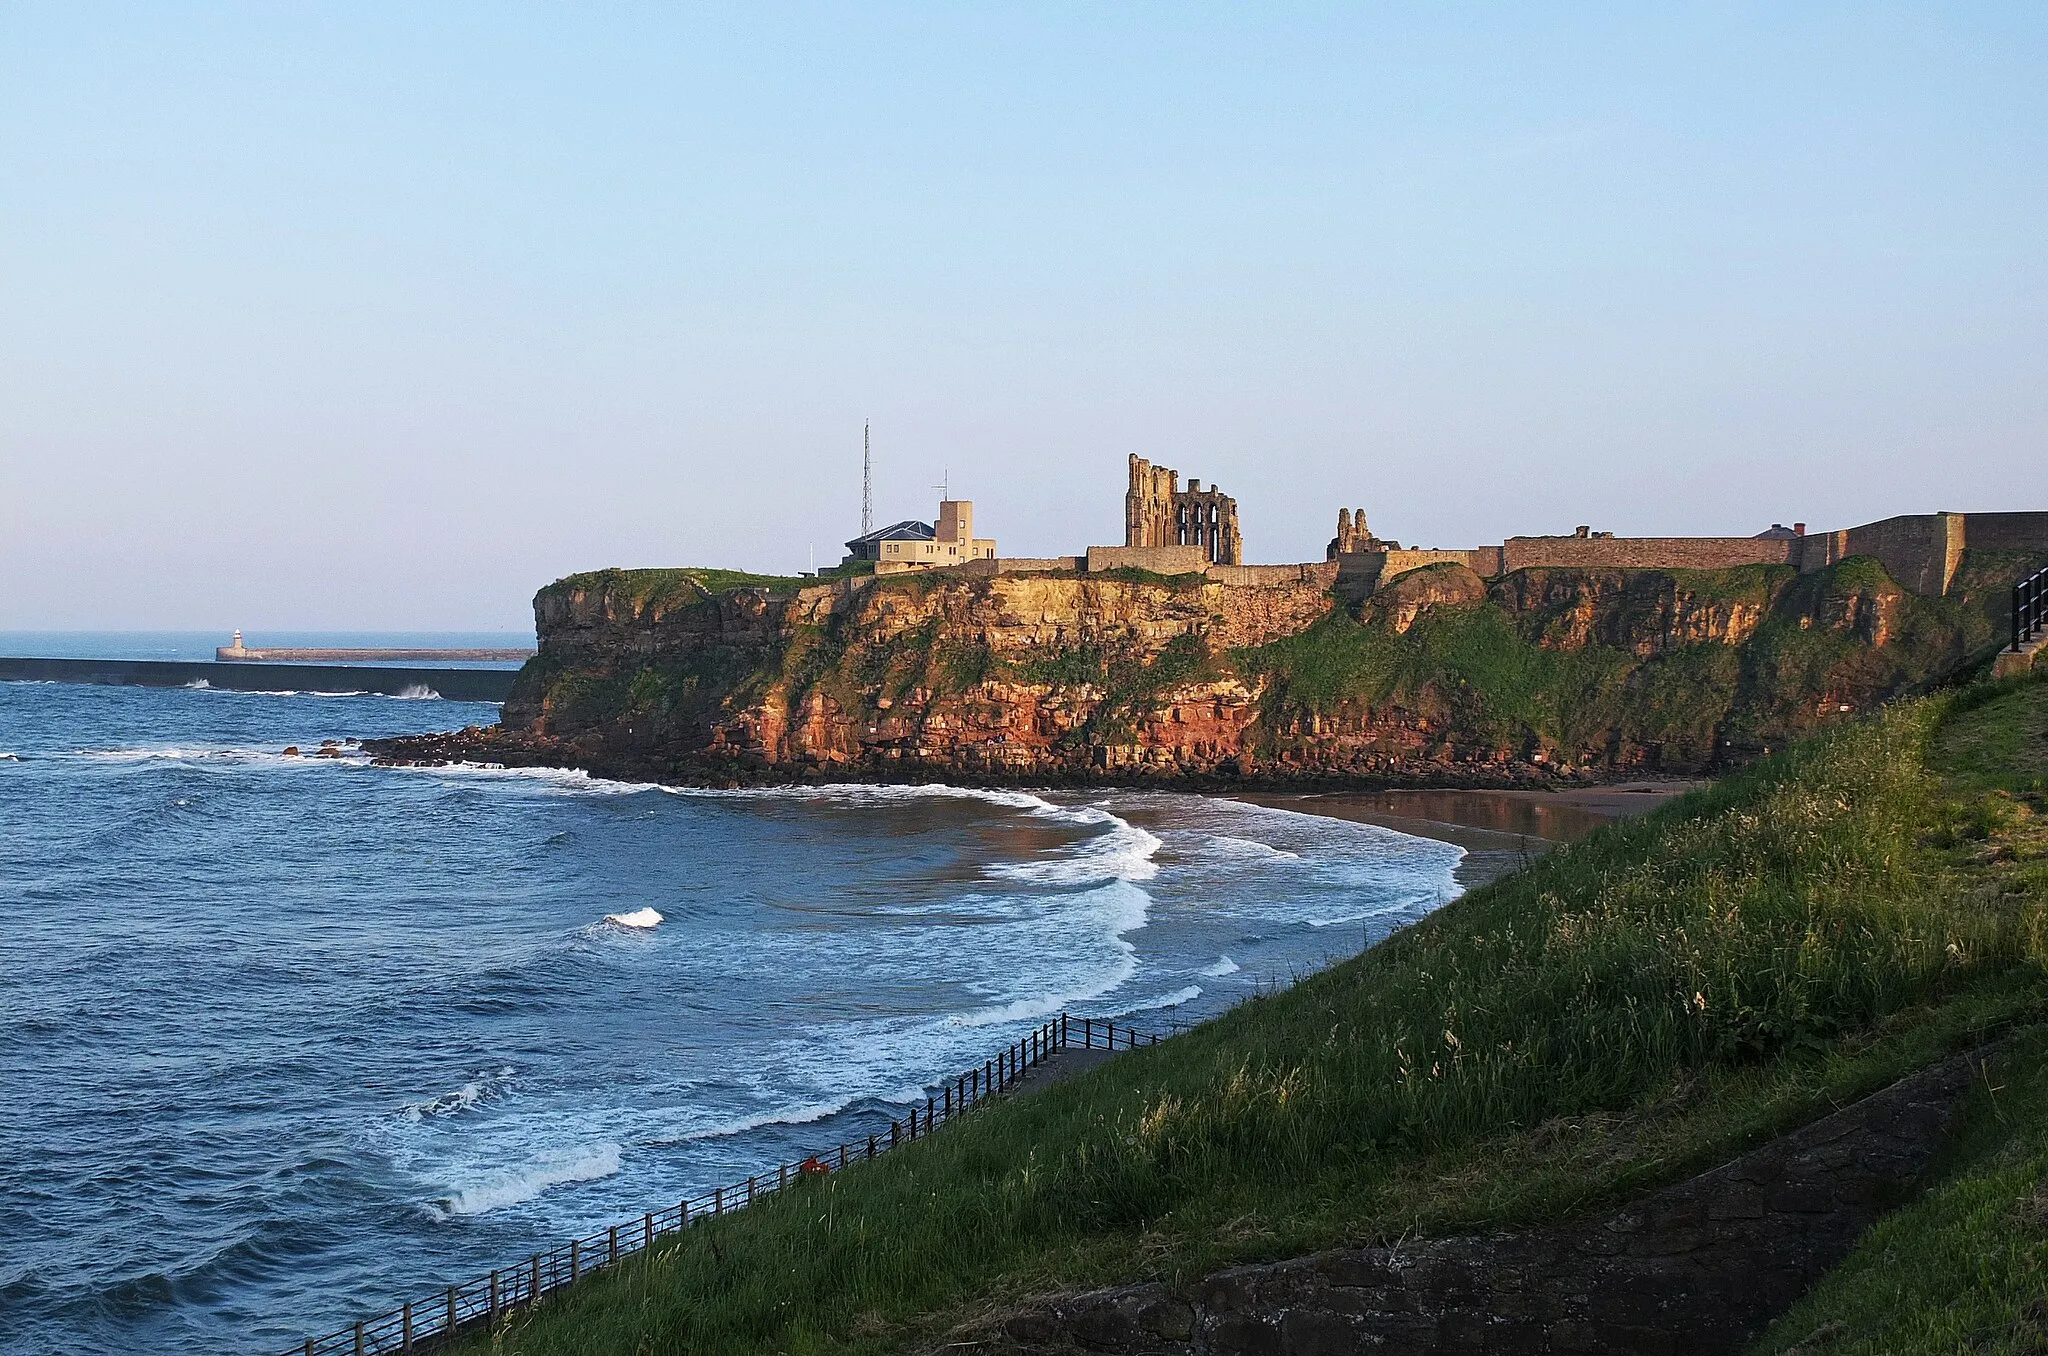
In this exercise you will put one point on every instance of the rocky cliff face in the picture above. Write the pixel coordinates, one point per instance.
(1440, 677)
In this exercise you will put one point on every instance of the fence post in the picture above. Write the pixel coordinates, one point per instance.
(359, 1337)
(405, 1327)
(1063, 1031)
(750, 1191)
(575, 1260)
(309, 1346)
(871, 1146)
(892, 1134)
(781, 1176)
(494, 1297)
(842, 1155)
(533, 1282)
(647, 1237)
(718, 1200)
(614, 1246)
(450, 1327)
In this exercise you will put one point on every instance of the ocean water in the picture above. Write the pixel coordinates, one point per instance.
(284, 1041)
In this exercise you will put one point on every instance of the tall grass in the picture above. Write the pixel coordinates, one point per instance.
(1677, 984)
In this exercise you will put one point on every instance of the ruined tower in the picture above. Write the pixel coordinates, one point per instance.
(1157, 512)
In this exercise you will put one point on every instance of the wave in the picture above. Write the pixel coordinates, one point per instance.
(199, 685)
(810, 1114)
(1171, 1000)
(1124, 852)
(586, 1165)
(638, 918)
(1396, 907)
(1244, 849)
(568, 781)
(464, 1098)
(417, 692)
(1221, 966)
(1120, 907)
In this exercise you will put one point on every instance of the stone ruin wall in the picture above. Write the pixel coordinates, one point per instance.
(1158, 514)
(1646, 553)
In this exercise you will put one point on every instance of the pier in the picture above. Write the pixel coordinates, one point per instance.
(462, 685)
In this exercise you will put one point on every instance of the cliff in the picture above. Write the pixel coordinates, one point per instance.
(1440, 676)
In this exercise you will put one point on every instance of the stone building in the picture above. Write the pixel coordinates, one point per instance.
(912, 545)
(1157, 512)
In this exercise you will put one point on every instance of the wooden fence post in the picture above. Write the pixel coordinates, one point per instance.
(613, 1259)
(450, 1326)
(359, 1338)
(494, 1297)
(405, 1327)
(647, 1232)
(533, 1282)
(575, 1260)
(871, 1146)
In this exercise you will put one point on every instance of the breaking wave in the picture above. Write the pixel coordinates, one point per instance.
(584, 1165)
(638, 918)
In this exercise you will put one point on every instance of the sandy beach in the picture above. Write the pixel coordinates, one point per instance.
(1499, 830)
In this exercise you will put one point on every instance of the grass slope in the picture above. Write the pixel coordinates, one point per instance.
(1965, 1269)
(1620, 1014)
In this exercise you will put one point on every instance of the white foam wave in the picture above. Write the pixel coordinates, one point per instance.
(799, 1115)
(199, 685)
(1123, 852)
(1118, 907)
(1221, 966)
(1171, 1000)
(1359, 917)
(638, 918)
(582, 1165)
(464, 1098)
(1244, 849)
(566, 781)
(417, 692)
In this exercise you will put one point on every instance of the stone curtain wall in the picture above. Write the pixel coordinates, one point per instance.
(1645, 553)
(1700, 1267)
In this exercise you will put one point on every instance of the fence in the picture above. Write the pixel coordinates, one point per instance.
(2029, 608)
(460, 1309)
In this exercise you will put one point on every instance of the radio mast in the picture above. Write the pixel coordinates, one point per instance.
(867, 485)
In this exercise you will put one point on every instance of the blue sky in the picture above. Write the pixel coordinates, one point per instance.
(384, 315)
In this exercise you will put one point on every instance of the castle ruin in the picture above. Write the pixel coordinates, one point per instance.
(1157, 512)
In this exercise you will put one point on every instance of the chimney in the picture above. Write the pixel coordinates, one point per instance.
(1799, 529)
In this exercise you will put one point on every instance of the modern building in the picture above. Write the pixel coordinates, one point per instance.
(911, 545)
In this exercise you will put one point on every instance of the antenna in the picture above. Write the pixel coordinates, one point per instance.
(944, 487)
(867, 485)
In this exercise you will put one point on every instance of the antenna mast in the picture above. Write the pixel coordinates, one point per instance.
(867, 485)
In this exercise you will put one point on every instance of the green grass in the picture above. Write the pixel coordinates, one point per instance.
(677, 586)
(1621, 1013)
(1965, 1269)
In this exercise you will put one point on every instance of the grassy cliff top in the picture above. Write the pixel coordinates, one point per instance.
(1621, 1013)
(681, 584)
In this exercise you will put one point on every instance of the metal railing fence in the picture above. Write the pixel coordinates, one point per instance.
(460, 1310)
(2029, 608)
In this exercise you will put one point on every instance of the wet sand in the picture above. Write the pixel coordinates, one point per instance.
(1499, 830)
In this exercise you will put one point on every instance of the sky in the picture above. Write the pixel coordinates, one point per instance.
(372, 315)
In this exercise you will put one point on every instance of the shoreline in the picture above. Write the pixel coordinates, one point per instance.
(1501, 830)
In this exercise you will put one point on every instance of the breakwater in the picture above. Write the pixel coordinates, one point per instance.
(470, 685)
(268, 654)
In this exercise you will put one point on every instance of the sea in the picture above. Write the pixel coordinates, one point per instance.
(286, 1039)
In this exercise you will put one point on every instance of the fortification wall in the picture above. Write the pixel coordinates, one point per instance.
(1320, 573)
(1645, 553)
(1040, 564)
(1920, 550)
(2006, 531)
(1485, 561)
(1157, 559)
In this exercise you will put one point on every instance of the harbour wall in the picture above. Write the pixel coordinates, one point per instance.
(465, 685)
